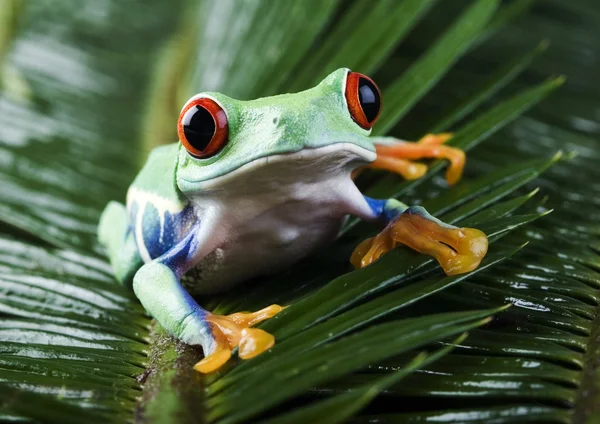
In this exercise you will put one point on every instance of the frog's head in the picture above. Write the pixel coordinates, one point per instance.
(222, 138)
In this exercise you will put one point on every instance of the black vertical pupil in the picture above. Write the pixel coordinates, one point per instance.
(198, 127)
(368, 96)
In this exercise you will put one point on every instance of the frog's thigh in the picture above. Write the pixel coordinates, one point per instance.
(115, 234)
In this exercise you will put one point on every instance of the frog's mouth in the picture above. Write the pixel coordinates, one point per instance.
(307, 163)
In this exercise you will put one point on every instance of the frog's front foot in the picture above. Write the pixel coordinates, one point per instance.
(458, 250)
(230, 331)
(398, 157)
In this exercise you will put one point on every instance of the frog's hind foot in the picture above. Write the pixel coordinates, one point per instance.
(115, 236)
(458, 250)
(398, 156)
(231, 331)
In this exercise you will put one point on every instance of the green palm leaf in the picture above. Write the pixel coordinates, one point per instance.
(75, 346)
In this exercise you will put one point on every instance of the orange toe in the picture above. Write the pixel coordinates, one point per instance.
(214, 361)
(249, 319)
(254, 342)
(435, 139)
(407, 169)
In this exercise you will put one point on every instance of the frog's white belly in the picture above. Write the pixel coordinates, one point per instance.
(274, 213)
(268, 244)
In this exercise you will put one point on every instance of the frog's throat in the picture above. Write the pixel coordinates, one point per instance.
(351, 157)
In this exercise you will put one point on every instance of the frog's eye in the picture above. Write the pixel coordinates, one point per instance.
(203, 128)
(363, 98)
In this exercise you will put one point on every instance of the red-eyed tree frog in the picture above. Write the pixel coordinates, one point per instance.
(254, 186)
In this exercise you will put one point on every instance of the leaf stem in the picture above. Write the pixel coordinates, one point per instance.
(172, 392)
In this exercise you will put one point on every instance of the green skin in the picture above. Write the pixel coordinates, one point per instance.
(277, 191)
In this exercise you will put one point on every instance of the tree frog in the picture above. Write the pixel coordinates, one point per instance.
(254, 186)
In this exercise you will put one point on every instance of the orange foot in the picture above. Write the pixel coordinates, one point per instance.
(232, 331)
(458, 250)
(398, 157)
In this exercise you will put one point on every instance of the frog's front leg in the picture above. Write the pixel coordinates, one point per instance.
(157, 285)
(397, 156)
(458, 250)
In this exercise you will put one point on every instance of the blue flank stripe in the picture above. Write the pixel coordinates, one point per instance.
(180, 256)
(159, 240)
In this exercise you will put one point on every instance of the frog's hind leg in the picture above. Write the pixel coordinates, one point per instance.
(114, 233)
(398, 156)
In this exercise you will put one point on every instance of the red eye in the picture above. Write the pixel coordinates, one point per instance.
(203, 128)
(363, 98)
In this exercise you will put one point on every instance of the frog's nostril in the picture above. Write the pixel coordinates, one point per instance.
(276, 120)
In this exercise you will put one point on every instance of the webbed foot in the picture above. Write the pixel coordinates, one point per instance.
(398, 157)
(234, 330)
(458, 250)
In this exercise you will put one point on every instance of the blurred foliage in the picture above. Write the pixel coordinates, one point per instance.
(102, 81)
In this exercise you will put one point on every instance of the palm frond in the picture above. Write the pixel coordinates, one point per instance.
(71, 338)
